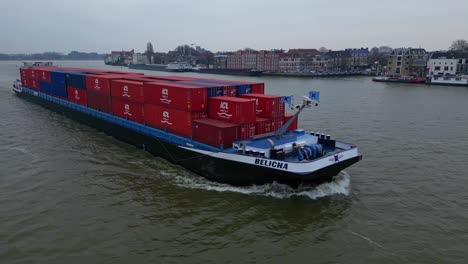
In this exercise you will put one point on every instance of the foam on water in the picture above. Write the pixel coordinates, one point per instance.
(340, 185)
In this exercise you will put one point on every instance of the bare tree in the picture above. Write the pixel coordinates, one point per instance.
(149, 51)
(459, 45)
(323, 50)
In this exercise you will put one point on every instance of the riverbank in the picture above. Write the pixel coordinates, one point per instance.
(311, 75)
(162, 68)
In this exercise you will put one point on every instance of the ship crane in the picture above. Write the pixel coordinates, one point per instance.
(307, 102)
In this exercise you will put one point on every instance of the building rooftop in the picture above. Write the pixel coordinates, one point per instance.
(449, 55)
(408, 51)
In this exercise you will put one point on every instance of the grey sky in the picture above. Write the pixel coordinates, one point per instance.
(103, 25)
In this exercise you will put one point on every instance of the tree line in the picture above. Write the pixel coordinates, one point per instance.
(74, 55)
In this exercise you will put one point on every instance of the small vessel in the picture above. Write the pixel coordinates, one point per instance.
(223, 151)
(452, 80)
(403, 79)
(179, 66)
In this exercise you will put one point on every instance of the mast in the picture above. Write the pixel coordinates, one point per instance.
(307, 102)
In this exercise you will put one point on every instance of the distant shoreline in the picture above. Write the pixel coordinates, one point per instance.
(51, 60)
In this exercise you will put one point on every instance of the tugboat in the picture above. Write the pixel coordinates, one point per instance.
(292, 157)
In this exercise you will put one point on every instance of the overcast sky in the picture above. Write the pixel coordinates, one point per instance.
(29, 26)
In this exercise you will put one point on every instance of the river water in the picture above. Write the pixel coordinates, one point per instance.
(71, 194)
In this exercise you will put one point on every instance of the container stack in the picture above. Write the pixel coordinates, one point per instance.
(54, 84)
(98, 91)
(270, 107)
(226, 115)
(31, 77)
(76, 88)
(214, 112)
(127, 100)
(172, 107)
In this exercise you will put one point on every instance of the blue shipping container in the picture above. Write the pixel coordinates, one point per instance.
(76, 80)
(244, 89)
(57, 77)
(60, 90)
(45, 87)
(213, 91)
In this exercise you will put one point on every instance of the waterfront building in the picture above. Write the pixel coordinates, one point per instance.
(462, 65)
(291, 63)
(298, 60)
(339, 60)
(448, 63)
(359, 59)
(220, 61)
(319, 63)
(242, 59)
(269, 60)
(407, 62)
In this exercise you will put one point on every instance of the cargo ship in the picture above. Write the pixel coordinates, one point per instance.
(226, 131)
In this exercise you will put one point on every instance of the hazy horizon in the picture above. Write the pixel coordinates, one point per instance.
(102, 26)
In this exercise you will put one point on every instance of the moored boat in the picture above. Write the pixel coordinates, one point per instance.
(448, 80)
(404, 79)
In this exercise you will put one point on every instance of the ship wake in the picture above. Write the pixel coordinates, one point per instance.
(340, 185)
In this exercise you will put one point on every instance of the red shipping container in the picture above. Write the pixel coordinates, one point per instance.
(268, 106)
(215, 133)
(268, 128)
(276, 123)
(43, 75)
(260, 125)
(25, 83)
(99, 101)
(33, 73)
(182, 97)
(175, 121)
(129, 110)
(258, 88)
(100, 83)
(77, 96)
(127, 90)
(25, 73)
(247, 130)
(34, 83)
(232, 109)
(287, 117)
